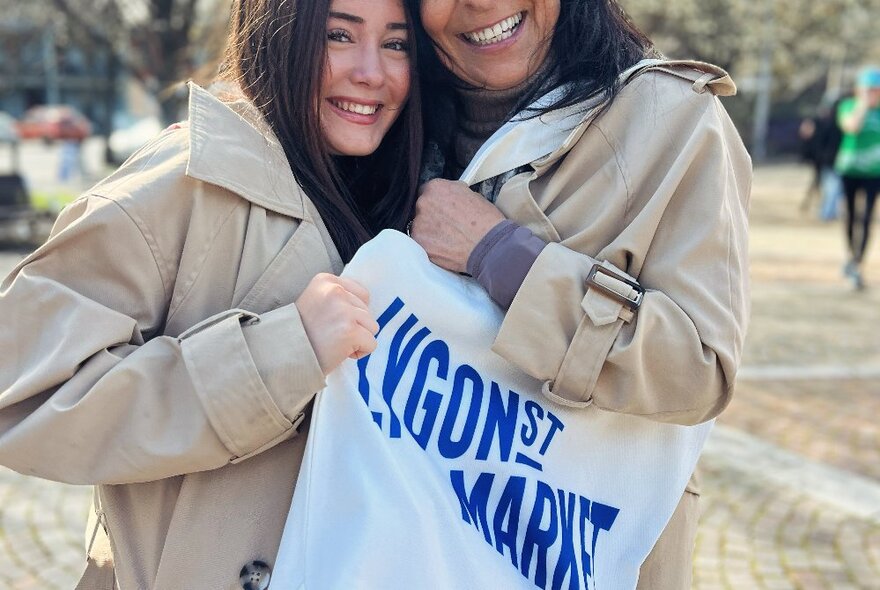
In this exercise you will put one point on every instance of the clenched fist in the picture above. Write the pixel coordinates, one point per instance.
(337, 321)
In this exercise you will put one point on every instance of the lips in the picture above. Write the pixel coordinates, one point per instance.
(496, 33)
(355, 107)
(356, 111)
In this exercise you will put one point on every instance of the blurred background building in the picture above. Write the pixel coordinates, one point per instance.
(118, 62)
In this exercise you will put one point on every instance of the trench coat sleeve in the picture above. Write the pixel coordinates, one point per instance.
(91, 394)
(673, 160)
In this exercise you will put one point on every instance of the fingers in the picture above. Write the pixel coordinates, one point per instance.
(355, 289)
(366, 321)
(353, 294)
(363, 343)
(362, 336)
(353, 300)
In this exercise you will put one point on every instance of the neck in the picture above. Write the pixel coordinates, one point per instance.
(482, 112)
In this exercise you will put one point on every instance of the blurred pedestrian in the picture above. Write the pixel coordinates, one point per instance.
(858, 163)
(820, 140)
(70, 163)
(167, 341)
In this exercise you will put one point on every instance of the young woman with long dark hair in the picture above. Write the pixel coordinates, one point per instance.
(164, 345)
(618, 250)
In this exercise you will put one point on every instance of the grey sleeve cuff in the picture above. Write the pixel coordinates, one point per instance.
(502, 259)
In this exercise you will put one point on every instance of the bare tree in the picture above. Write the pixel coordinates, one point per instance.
(159, 42)
(809, 37)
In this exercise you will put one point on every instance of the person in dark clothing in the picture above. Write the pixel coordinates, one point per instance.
(821, 137)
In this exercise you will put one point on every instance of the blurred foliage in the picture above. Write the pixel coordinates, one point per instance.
(51, 202)
(815, 46)
(164, 41)
(810, 40)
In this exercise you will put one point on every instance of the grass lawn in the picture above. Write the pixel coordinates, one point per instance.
(52, 201)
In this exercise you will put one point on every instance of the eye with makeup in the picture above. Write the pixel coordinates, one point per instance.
(397, 45)
(339, 35)
(343, 36)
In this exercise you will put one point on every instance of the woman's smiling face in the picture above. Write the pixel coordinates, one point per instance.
(367, 74)
(494, 45)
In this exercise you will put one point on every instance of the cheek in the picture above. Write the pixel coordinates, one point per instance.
(330, 66)
(435, 16)
(338, 67)
(548, 13)
(399, 82)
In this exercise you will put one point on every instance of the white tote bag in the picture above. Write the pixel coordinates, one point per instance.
(435, 464)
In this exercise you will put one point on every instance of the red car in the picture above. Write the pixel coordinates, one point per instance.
(54, 122)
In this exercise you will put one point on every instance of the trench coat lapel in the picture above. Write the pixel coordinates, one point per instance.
(538, 141)
(231, 146)
(524, 139)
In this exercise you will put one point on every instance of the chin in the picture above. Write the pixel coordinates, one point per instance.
(353, 148)
(359, 153)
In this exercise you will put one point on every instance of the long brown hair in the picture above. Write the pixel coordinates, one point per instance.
(276, 52)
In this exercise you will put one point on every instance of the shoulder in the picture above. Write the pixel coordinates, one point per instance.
(153, 201)
(156, 171)
(155, 189)
(668, 106)
(221, 150)
(665, 119)
(675, 93)
(700, 77)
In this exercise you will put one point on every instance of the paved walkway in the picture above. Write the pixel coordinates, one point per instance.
(791, 474)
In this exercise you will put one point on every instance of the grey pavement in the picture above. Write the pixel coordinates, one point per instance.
(790, 476)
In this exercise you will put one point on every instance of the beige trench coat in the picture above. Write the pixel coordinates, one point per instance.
(657, 188)
(131, 372)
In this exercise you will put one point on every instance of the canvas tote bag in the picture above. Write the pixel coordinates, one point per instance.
(435, 464)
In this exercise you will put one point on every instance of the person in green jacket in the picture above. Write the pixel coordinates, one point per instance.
(858, 163)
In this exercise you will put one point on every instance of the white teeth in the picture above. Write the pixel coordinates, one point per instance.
(494, 34)
(353, 107)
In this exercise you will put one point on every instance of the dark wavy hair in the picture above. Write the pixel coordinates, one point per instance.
(276, 51)
(593, 42)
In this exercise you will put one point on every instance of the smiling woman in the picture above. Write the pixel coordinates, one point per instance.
(367, 75)
(170, 335)
(488, 44)
(341, 51)
(599, 194)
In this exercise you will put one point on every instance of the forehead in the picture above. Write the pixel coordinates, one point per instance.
(446, 6)
(371, 10)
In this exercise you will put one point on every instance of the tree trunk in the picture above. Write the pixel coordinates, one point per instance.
(110, 102)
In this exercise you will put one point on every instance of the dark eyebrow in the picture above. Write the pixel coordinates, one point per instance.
(345, 16)
(356, 19)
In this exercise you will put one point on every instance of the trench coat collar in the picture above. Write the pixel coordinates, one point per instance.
(541, 141)
(232, 147)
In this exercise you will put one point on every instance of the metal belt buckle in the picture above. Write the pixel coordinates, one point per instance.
(632, 303)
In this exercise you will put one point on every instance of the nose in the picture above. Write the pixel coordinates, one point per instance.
(369, 69)
(479, 5)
